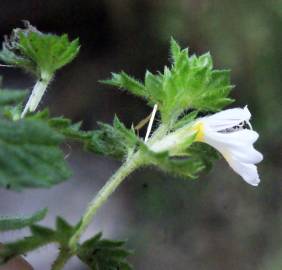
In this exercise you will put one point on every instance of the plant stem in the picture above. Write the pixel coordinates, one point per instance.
(61, 260)
(128, 167)
(37, 93)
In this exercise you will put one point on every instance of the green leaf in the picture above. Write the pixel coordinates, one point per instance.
(16, 223)
(22, 247)
(104, 254)
(70, 130)
(64, 126)
(175, 49)
(64, 231)
(115, 140)
(38, 52)
(29, 155)
(127, 82)
(154, 83)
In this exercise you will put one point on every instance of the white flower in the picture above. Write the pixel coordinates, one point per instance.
(226, 131)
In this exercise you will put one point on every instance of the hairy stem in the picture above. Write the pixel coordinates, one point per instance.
(133, 162)
(61, 260)
(128, 167)
(37, 93)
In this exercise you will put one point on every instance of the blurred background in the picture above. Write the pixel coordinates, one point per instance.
(216, 222)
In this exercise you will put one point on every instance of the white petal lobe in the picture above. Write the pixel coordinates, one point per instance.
(247, 171)
(227, 118)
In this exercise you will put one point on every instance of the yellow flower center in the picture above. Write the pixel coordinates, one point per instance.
(199, 128)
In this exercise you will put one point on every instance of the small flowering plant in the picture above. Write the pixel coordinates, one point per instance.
(191, 130)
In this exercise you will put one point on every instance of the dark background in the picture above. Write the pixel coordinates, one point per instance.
(217, 222)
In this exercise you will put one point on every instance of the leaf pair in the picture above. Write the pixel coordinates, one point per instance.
(96, 252)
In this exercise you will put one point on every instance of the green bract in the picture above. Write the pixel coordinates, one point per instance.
(116, 140)
(100, 253)
(190, 83)
(38, 52)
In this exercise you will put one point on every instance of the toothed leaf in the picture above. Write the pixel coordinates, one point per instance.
(16, 223)
(38, 52)
(29, 155)
(127, 82)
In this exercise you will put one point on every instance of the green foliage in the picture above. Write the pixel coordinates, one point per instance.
(104, 254)
(115, 141)
(191, 82)
(16, 223)
(30, 155)
(37, 52)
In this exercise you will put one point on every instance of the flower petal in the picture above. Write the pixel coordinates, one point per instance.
(247, 154)
(247, 171)
(227, 118)
(240, 137)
